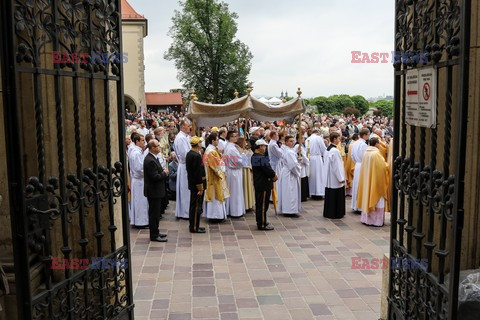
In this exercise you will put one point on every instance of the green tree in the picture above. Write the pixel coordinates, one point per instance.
(360, 103)
(324, 105)
(340, 102)
(385, 106)
(208, 57)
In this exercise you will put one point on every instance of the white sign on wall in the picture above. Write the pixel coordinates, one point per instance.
(421, 97)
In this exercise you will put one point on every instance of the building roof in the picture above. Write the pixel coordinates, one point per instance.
(128, 13)
(163, 98)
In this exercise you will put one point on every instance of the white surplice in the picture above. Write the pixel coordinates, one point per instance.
(290, 190)
(316, 179)
(139, 203)
(334, 169)
(358, 150)
(182, 146)
(143, 131)
(275, 155)
(214, 209)
(235, 204)
(221, 145)
(305, 162)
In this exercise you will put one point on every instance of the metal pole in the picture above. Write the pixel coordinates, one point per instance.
(462, 124)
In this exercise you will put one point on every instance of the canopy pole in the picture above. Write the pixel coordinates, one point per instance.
(300, 134)
(299, 130)
(246, 132)
(194, 125)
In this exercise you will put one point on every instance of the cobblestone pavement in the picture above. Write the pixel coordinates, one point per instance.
(301, 270)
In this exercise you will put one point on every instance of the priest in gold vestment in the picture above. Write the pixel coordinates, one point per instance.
(217, 190)
(373, 186)
(382, 146)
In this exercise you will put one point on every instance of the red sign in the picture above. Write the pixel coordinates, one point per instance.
(426, 91)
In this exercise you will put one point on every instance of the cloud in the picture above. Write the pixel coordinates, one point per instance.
(303, 43)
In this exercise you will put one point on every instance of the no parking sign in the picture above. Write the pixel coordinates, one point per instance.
(421, 98)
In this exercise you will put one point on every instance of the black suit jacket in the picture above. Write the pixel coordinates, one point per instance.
(195, 171)
(154, 177)
(263, 173)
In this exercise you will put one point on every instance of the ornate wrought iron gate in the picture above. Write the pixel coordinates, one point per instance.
(65, 127)
(429, 166)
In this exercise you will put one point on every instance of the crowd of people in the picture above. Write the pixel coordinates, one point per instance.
(221, 172)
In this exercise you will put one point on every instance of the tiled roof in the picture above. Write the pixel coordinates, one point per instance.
(128, 13)
(163, 98)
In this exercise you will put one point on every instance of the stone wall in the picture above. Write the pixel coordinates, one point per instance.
(134, 80)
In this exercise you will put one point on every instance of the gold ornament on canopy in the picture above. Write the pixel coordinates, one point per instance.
(299, 92)
(193, 96)
(249, 88)
(235, 94)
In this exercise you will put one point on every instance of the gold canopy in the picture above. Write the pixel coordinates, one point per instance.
(207, 115)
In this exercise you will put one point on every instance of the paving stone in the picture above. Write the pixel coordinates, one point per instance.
(367, 291)
(246, 303)
(204, 291)
(179, 316)
(160, 304)
(302, 270)
(274, 299)
(263, 283)
(320, 309)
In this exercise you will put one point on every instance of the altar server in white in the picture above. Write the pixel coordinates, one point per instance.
(317, 150)
(275, 155)
(358, 150)
(235, 204)
(304, 166)
(182, 146)
(334, 206)
(139, 203)
(290, 190)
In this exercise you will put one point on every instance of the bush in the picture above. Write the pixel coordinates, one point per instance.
(351, 110)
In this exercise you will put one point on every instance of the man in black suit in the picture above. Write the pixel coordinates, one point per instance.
(154, 189)
(263, 178)
(196, 183)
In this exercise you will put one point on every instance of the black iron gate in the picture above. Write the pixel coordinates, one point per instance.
(429, 166)
(64, 122)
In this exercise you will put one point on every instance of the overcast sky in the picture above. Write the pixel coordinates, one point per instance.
(301, 43)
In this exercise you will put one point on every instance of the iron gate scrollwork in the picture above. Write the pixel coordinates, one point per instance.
(67, 178)
(428, 170)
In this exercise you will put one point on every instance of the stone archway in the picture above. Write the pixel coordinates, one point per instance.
(130, 104)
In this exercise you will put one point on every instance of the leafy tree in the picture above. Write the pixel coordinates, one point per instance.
(340, 102)
(360, 103)
(208, 57)
(385, 106)
(324, 105)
